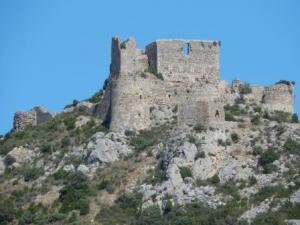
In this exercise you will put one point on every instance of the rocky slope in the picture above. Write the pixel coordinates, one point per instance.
(72, 170)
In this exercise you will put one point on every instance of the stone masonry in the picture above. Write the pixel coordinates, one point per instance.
(35, 116)
(175, 80)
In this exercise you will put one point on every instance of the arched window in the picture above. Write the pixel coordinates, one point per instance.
(186, 49)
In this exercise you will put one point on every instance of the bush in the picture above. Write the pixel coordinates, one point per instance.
(65, 142)
(295, 118)
(147, 138)
(168, 207)
(74, 194)
(46, 148)
(255, 120)
(245, 89)
(70, 122)
(291, 146)
(7, 211)
(280, 117)
(229, 116)
(185, 172)
(30, 174)
(96, 97)
(199, 128)
(214, 180)
(235, 137)
(200, 154)
(9, 160)
(150, 216)
(268, 157)
(257, 150)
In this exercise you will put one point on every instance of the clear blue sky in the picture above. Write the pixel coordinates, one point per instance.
(54, 51)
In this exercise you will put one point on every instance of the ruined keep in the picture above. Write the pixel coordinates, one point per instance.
(175, 80)
(162, 83)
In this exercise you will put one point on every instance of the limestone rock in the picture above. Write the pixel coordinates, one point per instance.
(295, 198)
(84, 169)
(81, 121)
(107, 148)
(22, 155)
(2, 166)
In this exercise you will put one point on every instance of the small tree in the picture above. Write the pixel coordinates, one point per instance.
(245, 89)
(235, 137)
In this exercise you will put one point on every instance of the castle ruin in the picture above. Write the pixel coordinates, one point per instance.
(169, 81)
(175, 80)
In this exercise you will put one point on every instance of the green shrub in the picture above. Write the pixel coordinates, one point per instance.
(200, 154)
(148, 138)
(96, 97)
(31, 173)
(7, 211)
(268, 157)
(185, 172)
(245, 89)
(75, 192)
(280, 117)
(156, 176)
(65, 142)
(9, 160)
(291, 146)
(229, 116)
(235, 137)
(257, 150)
(295, 118)
(168, 207)
(255, 120)
(199, 128)
(150, 216)
(46, 148)
(214, 179)
(70, 122)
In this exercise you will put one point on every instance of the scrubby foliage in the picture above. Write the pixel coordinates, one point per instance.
(245, 89)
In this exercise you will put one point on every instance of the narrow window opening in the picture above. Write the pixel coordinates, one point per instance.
(140, 96)
(169, 96)
(217, 115)
(186, 49)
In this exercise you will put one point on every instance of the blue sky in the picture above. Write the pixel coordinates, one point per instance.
(52, 52)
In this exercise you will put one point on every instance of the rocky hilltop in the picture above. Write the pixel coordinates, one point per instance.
(165, 141)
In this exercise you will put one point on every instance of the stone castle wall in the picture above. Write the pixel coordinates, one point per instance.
(279, 97)
(137, 99)
(33, 117)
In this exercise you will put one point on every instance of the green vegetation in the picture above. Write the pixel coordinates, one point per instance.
(185, 172)
(291, 146)
(75, 193)
(31, 173)
(245, 89)
(96, 97)
(199, 128)
(52, 135)
(267, 158)
(279, 116)
(295, 118)
(148, 138)
(255, 120)
(231, 111)
(235, 137)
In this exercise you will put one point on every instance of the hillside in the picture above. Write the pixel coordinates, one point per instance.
(73, 170)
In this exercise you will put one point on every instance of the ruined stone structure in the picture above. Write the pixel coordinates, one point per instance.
(168, 81)
(35, 116)
(175, 80)
(162, 83)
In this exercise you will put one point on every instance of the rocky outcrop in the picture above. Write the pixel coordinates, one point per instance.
(107, 148)
(22, 155)
(2, 166)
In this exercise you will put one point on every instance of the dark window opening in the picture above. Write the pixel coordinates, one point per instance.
(169, 96)
(140, 96)
(186, 49)
(217, 115)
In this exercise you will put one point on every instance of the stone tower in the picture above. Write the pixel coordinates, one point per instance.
(162, 83)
